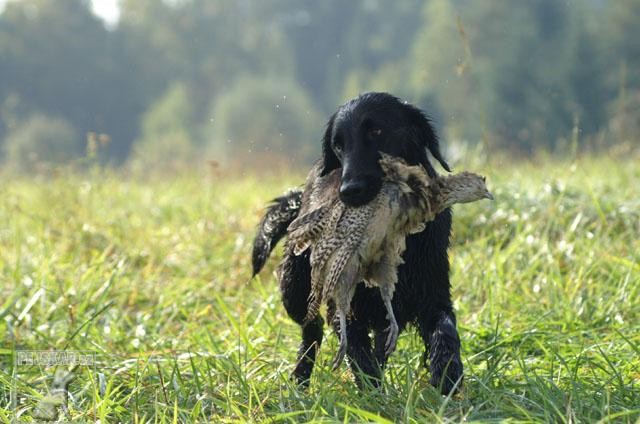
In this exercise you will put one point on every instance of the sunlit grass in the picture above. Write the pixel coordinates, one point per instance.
(154, 277)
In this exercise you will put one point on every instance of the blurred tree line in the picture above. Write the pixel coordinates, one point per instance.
(175, 79)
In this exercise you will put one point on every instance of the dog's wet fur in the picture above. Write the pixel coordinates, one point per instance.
(354, 136)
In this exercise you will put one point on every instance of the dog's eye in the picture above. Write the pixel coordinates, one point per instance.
(375, 132)
(337, 145)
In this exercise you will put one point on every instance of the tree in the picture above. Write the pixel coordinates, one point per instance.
(58, 58)
(42, 141)
(506, 72)
(167, 138)
(205, 43)
(623, 82)
(270, 115)
(334, 39)
(443, 74)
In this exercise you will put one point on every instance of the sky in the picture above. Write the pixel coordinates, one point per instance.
(106, 9)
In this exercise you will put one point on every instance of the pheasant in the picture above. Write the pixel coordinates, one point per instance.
(352, 244)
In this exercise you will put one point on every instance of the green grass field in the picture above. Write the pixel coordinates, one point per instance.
(153, 277)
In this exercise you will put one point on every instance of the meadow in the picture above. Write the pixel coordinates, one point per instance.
(153, 277)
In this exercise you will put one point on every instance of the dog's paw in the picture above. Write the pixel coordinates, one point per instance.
(445, 363)
(447, 376)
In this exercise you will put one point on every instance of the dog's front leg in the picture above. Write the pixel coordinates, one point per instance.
(442, 347)
(295, 286)
(311, 340)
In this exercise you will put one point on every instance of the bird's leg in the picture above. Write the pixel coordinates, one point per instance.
(387, 294)
(342, 350)
(342, 293)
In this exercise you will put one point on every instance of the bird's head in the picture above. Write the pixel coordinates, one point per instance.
(467, 187)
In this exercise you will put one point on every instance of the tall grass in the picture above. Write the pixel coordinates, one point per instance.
(154, 278)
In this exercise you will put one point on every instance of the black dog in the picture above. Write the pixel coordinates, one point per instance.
(355, 134)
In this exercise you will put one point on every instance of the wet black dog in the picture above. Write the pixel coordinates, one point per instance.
(355, 134)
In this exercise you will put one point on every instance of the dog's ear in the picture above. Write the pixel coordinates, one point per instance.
(426, 133)
(329, 159)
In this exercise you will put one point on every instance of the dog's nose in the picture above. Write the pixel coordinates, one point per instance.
(353, 189)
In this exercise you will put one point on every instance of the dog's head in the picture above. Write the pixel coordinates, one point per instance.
(367, 125)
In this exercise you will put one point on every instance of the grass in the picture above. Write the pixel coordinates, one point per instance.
(153, 276)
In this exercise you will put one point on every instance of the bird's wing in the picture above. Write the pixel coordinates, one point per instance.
(306, 229)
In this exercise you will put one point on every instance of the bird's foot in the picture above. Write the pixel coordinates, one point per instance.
(342, 350)
(392, 338)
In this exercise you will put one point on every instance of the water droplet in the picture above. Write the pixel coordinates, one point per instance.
(140, 331)
(27, 281)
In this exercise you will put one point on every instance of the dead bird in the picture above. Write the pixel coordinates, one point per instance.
(351, 244)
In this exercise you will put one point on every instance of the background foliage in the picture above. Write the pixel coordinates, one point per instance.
(537, 75)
